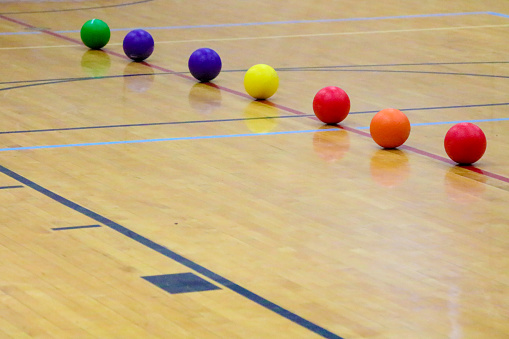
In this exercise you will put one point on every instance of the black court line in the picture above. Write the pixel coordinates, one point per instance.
(74, 227)
(295, 69)
(355, 69)
(35, 83)
(174, 256)
(44, 81)
(154, 124)
(79, 9)
(161, 249)
(31, 83)
(9, 187)
(166, 251)
(236, 119)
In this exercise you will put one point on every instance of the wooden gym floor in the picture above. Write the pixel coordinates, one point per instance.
(138, 203)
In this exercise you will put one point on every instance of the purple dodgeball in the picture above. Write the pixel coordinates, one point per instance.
(204, 64)
(138, 44)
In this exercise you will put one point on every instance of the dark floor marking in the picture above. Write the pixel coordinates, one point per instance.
(181, 283)
(74, 227)
(175, 256)
(9, 187)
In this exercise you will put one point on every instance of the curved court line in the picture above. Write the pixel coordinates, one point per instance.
(79, 9)
(244, 95)
(44, 81)
(170, 254)
(161, 249)
(33, 83)
(39, 84)
(283, 69)
(174, 256)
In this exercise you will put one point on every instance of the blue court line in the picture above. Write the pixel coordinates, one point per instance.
(498, 14)
(222, 136)
(74, 227)
(123, 142)
(9, 187)
(246, 24)
(174, 256)
(448, 122)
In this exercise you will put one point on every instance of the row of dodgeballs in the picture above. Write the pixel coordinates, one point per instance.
(138, 44)
(261, 81)
(465, 143)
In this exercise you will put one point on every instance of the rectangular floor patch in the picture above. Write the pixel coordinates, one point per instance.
(181, 283)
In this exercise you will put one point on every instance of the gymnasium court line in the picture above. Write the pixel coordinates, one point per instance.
(40, 82)
(244, 95)
(260, 118)
(174, 256)
(447, 28)
(201, 137)
(10, 187)
(171, 254)
(74, 227)
(159, 248)
(310, 35)
(247, 24)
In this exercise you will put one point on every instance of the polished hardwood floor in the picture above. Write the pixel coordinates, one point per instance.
(139, 203)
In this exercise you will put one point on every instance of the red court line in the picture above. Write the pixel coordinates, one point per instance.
(281, 107)
(434, 156)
